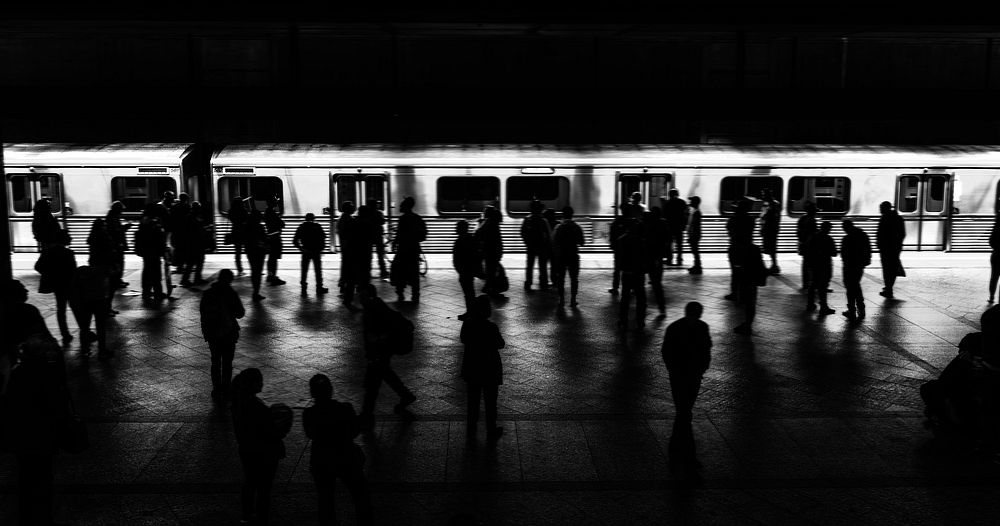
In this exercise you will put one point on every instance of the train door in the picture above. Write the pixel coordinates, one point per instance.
(358, 188)
(25, 189)
(924, 201)
(652, 187)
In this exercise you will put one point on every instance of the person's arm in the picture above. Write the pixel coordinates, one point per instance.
(237, 305)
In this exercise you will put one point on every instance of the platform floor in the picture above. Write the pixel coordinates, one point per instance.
(809, 421)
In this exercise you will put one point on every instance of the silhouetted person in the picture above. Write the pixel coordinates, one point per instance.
(274, 225)
(552, 221)
(675, 211)
(256, 246)
(238, 216)
(377, 221)
(617, 229)
(36, 406)
(176, 223)
(197, 238)
(686, 352)
(656, 234)
(634, 208)
(88, 299)
(889, 240)
(694, 233)
(44, 226)
(818, 255)
(220, 308)
(856, 254)
(101, 256)
(995, 257)
(805, 227)
(352, 235)
(410, 232)
(465, 260)
(537, 240)
(566, 243)
(260, 445)
(151, 245)
(381, 331)
(332, 426)
(490, 246)
(310, 239)
(56, 265)
(367, 232)
(117, 230)
(632, 248)
(21, 320)
(740, 227)
(482, 368)
(751, 273)
(770, 221)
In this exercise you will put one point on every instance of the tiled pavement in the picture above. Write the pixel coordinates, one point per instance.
(807, 422)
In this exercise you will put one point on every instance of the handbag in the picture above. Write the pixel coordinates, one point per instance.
(73, 437)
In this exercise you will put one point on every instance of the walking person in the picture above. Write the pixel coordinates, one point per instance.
(238, 216)
(751, 274)
(633, 254)
(994, 257)
(818, 255)
(89, 299)
(382, 330)
(740, 228)
(686, 350)
(310, 239)
(198, 239)
(889, 240)
(805, 228)
(274, 225)
(332, 427)
(656, 234)
(770, 220)
(537, 240)
(256, 246)
(491, 247)
(856, 254)
(482, 368)
(260, 446)
(675, 211)
(220, 308)
(410, 232)
(694, 233)
(151, 244)
(566, 243)
(465, 260)
(56, 265)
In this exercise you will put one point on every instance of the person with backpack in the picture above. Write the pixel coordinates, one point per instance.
(220, 308)
(410, 232)
(536, 238)
(482, 368)
(856, 253)
(386, 332)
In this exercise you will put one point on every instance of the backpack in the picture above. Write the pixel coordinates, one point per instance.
(402, 334)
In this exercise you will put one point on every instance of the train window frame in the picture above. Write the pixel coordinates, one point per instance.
(29, 180)
(801, 212)
(996, 202)
(153, 197)
(917, 205)
(561, 197)
(228, 199)
(757, 203)
(447, 211)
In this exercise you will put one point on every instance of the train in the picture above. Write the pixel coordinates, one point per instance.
(948, 195)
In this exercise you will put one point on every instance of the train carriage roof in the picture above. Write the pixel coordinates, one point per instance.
(694, 155)
(121, 154)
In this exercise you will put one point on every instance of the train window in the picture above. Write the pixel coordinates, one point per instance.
(736, 188)
(467, 194)
(830, 194)
(257, 189)
(20, 194)
(906, 193)
(375, 190)
(553, 192)
(934, 200)
(135, 192)
(346, 190)
(26, 189)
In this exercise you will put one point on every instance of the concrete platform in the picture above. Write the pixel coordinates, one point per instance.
(807, 422)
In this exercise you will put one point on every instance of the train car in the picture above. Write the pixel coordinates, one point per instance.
(947, 195)
(82, 181)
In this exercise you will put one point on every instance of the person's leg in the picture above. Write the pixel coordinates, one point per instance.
(680, 247)
(272, 267)
(215, 349)
(695, 244)
(228, 354)
(626, 298)
(304, 271)
(473, 392)
(749, 297)
(616, 277)
(656, 283)
(466, 281)
(326, 497)
(256, 271)
(850, 291)
(238, 257)
(994, 273)
(560, 279)
(372, 384)
(357, 484)
(543, 269)
(248, 489)
(199, 265)
(574, 278)
(265, 481)
(392, 380)
(156, 274)
(529, 268)
(640, 300)
(317, 260)
(100, 324)
(62, 297)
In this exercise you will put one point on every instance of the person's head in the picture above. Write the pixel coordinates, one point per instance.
(43, 206)
(225, 276)
(310, 217)
(567, 212)
(810, 207)
(885, 207)
(825, 227)
(98, 225)
(117, 208)
(14, 292)
(347, 207)
(320, 387)
(536, 207)
(481, 307)
(847, 225)
(694, 201)
(491, 212)
(407, 204)
(168, 197)
(248, 382)
(183, 197)
(673, 193)
(693, 310)
(195, 207)
(462, 227)
(636, 198)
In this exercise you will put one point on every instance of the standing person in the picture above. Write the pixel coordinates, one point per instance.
(633, 254)
(566, 242)
(101, 251)
(889, 240)
(88, 299)
(176, 226)
(552, 221)
(150, 245)
(740, 228)
(21, 321)
(751, 274)
(687, 353)
(634, 208)
(805, 228)
(410, 232)
(490, 246)
(675, 211)
(694, 233)
(656, 233)
(44, 226)
(350, 232)
(537, 240)
(377, 220)
(770, 221)
(856, 253)
(56, 266)
(332, 427)
(197, 236)
(617, 229)
(238, 216)
(382, 329)
(310, 239)
(260, 446)
(818, 256)
(256, 245)
(117, 230)
(220, 308)
(482, 368)
(995, 257)
(465, 259)
(273, 226)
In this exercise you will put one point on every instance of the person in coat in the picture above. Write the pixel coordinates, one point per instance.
(566, 243)
(56, 266)
(256, 246)
(770, 222)
(482, 368)
(694, 233)
(491, 247)
(220, 307)
(465, 260)
(675, 211)
(889, 240)
(44, 226)
(856, 254)
(238, 216)
(410, 232)
(380, 328)
(117, 230)
(537, 240)
(151, 245)
(818, 254)
(310, 239)
(686, 352)
(260, 446)
(274, 225)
